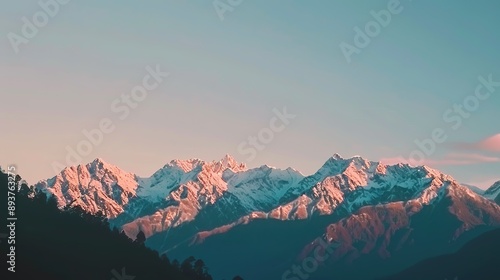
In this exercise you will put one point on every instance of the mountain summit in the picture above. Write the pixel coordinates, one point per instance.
(96, 186)
(369, 207)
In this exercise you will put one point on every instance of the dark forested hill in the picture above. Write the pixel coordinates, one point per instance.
(478, 259)
(53, 244)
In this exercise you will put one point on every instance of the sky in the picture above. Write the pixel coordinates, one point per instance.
(263, 69)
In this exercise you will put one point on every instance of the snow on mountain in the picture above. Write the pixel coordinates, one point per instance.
(267, 190)
(261, 187)
(185, 187)
(444, 213)
(162, 182)
(348, 185)
(376, 226)
(356, 182)
(377, 207)
(493, 191)
(224, 184)
(475, 189)
(97, 186)
(226, 192)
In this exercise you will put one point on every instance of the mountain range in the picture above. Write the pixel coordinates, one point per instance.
(382, 218)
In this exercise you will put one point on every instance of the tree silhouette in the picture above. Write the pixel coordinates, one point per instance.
(140, 238)
(81, 244)
(201, 270)
(187, 265)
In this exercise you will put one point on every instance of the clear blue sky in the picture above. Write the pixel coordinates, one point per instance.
(227, 76)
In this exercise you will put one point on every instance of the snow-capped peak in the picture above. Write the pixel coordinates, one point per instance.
(337, 157)
(493, 191)
(182, 189)
(96, 186)
(228, 162)
(186, 165)
(99, 161)
(337, 164)
(99, 165)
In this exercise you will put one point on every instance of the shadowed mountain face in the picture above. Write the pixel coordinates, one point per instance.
(374, 241)
(391, 216)
(493, 191)
(478, 259)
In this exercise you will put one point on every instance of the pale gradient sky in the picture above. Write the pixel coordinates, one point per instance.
(227, 76)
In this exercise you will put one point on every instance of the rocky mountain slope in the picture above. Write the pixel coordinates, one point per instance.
(374, 211)
(478, 259)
